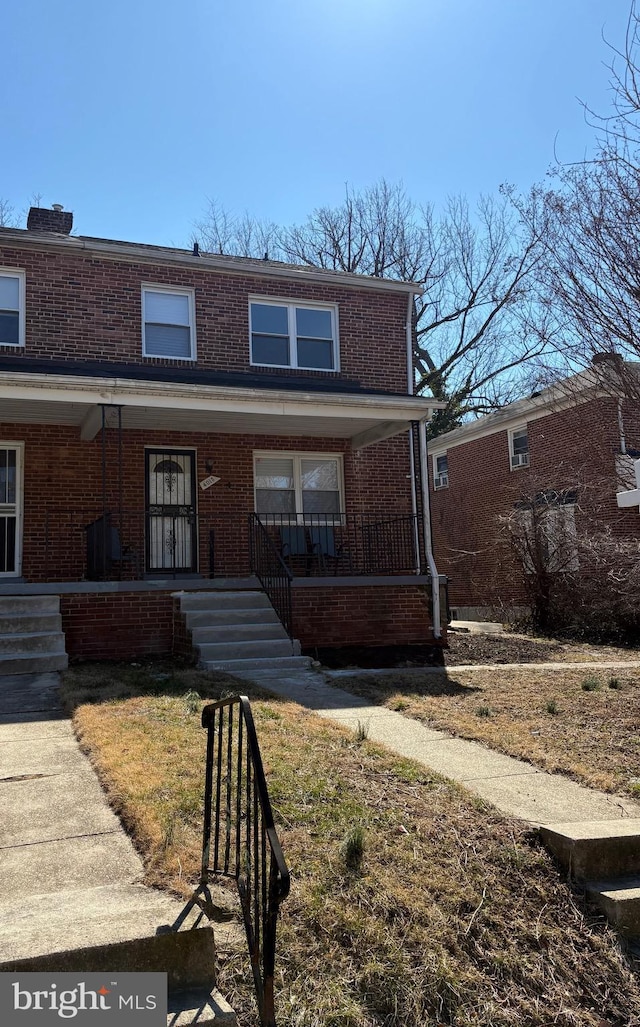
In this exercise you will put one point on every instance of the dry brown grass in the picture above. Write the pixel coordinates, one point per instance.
(584, 723)
(455, 916)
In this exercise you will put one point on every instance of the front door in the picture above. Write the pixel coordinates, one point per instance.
(171, 511)
(10, 509)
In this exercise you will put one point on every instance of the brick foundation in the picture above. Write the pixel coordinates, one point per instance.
(362, 615)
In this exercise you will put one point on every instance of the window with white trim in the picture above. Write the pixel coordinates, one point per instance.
(298, 483)
(293, 335)
(168, 323)
(12, 313)
(519, 448)
(545, 533)
(440, 471)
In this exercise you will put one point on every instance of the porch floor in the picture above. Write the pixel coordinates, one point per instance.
(21, 588)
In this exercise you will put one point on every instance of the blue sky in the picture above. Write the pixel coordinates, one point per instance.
(133, 113)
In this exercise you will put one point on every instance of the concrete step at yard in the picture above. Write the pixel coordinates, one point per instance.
(11, 623)
(126, 927)
(246, 615)
(619, 899)
(31, 642)
(596, 849)
(260, 649)
(283, 664)
(223, 601)
(33, 663)
(237, 633)
(203, 1007)
(30, 605)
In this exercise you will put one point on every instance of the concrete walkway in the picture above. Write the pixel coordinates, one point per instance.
(515, 787)
(71, 891)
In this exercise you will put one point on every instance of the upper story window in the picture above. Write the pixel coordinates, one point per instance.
(11, 307)
(290, 483)
(440, 471)
(519, 448)
(168, 323)
(294, 335)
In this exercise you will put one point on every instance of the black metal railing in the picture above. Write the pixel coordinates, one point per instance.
(272, 572)
(110, 544)
(344, 544)
(239, 837)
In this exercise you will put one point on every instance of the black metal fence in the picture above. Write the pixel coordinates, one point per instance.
(97, 544)
(272, 572)
(239, 836)
(343, 544)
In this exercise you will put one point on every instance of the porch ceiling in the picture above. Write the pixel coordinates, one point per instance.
(50, 399)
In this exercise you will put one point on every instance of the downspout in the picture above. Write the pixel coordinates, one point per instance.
(412, 462)
(623, 444)
(426, 517)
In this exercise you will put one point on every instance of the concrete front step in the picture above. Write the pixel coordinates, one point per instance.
(283, 664)
(237, 633)
(31, 642)
(260, 649)
(223, 601)
(191, 1008)
(595, 849)
(123, 927)
(11, 623)
(619, 899)
(245, 615)
(31, 605)
(32, 663)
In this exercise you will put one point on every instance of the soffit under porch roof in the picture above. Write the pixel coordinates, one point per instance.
(58, 399)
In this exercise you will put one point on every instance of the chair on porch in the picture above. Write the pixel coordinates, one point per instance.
(294, 545)
(105, 553)
(326, 549)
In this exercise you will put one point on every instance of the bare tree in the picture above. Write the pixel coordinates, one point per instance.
(476, 329)
(591, 276)
(8, 217)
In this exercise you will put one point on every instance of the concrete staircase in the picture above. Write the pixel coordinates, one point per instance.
(603, 856)
(31, 637)
(238, 631)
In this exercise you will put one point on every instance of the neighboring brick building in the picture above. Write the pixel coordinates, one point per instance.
(153, 399)
(571, 447)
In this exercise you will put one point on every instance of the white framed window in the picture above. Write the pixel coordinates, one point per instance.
(12, 307)
(518, 448)
(440, 471)
(290, 484)
(546, 533)
(168, 323)
(293, 334)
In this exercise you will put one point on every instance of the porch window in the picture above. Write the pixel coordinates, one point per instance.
(298, 483)
(168, 323)
(294, 335)
(11, 307)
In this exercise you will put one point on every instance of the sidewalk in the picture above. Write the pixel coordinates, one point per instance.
(516, 788)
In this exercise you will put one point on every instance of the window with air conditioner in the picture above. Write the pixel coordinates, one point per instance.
(519, 448)
(440, 471)
(168, 323)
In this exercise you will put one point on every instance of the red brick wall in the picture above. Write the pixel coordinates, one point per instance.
(63, 491)
(117, 626)
(128, 625)
(84, 307)
(568, 449)
(369, 615)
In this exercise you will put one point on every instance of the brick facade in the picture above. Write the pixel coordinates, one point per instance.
(83, 318)
(80, 307)
(573, 448)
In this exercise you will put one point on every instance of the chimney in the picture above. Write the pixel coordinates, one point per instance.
(55, 220)
(614, 360)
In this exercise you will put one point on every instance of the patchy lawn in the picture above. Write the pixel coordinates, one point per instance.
(465, 647)
(454, 915)
(583, 723)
